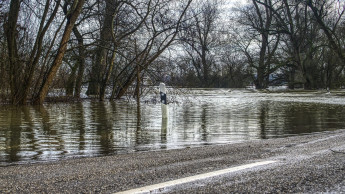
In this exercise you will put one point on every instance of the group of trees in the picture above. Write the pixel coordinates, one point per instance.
(65, 43)
(298, 42)
(112, 46)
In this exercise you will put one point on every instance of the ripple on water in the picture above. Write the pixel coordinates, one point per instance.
(198, 117)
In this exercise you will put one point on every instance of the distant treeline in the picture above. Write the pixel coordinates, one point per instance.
(111, 46)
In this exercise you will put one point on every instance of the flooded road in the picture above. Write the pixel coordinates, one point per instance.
(196, 117)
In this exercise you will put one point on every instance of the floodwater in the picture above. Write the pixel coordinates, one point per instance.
(58, 131)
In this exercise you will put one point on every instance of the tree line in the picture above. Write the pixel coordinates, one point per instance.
(113, 47)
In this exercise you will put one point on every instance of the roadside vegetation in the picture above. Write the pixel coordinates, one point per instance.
(110, 49)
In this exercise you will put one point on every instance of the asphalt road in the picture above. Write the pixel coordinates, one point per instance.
(308, 164)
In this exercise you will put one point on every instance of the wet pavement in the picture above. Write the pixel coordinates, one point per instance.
(308, 164)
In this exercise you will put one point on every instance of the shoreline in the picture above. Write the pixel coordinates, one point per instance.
(108, 174)
(340, 92)
(183, 147)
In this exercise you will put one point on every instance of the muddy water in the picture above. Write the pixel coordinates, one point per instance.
(197, 117)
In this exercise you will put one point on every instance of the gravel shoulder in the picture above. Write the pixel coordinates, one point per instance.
(310, 163)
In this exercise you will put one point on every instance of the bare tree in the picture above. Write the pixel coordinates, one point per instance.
(299, 32)
(258, 41)
(121, 32)
(161, 28)
(304, 44)
(320, 9)
(200, 38)
(22, 65)
(74, 11)
(79, 48)
(103, 47)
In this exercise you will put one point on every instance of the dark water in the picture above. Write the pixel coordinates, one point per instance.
(199, 117)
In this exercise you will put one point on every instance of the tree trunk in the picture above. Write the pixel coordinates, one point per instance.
(107, 77)
(263, 64)
(292, 76)
(81, 63)
(206, 80)
(78, 5)
(261, 71)
(137, 89)
(99, 66)
(11, 32)
(126, 85)
(2, 72)
(71, 81)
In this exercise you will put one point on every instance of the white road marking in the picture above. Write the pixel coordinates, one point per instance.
(152, 188)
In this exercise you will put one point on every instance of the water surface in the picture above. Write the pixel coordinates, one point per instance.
(197, 117)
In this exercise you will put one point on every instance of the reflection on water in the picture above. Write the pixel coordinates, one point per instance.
(57, 131)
